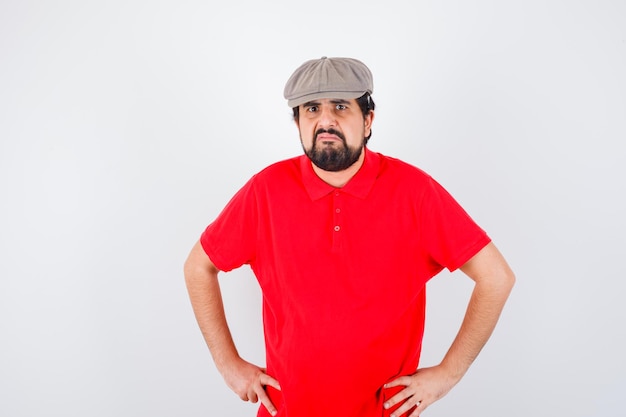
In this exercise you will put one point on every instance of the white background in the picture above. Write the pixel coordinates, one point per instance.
(125, 126)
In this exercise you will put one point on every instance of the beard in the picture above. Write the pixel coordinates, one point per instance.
(333, 157)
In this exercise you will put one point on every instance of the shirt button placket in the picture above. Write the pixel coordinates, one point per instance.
(336, 220)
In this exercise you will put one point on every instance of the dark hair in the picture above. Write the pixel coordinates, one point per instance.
(366, 103)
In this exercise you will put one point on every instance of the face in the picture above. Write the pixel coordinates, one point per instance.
(332, 132)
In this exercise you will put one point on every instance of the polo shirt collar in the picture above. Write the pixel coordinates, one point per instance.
(358, 186)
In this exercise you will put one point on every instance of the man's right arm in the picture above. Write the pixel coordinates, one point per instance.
(244, 378)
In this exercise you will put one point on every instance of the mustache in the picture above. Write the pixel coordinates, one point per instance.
(330, 131)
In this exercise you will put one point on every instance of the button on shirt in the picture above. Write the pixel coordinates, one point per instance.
(342, 273)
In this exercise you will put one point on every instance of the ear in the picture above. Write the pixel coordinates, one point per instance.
(367, 123)
(297, 120)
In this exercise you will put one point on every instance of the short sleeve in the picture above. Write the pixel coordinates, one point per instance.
(451, 237)
(230, 240)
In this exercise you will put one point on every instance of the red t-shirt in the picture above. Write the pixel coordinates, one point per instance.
(343, 274)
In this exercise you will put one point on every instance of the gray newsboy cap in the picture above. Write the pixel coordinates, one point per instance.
(328, 78)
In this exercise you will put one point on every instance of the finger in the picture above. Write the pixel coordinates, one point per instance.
(252, 396)
(408, 405)
(418, 410)
(402, 381)
(398, 398)
(268, 380)
(265, 400)
(252, 392)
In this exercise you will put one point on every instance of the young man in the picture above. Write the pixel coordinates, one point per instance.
(342, 241)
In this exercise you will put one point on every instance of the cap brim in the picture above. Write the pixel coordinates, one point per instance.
(295, 102)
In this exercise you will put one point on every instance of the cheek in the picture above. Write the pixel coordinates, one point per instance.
(306, 137)
(356, 135)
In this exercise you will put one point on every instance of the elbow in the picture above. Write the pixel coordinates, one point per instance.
(511, 279)
(507, 281)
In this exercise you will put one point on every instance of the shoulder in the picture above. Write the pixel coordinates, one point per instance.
(278, 173)
(402, 171)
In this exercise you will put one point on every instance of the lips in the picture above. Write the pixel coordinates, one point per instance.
(329, 135)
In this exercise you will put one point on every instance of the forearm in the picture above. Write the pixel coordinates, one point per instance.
(483, 312)
(206, 299)
(248, 381)
(493, 283)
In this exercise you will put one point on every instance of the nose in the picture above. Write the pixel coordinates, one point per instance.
(327, 116)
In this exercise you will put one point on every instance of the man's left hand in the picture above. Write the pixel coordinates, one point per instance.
(422, 389)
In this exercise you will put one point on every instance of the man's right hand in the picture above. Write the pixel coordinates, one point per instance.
(248, 381)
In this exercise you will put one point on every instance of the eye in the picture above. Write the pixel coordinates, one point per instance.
(340, 107)
(311, 109)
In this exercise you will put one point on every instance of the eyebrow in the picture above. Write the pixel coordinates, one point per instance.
(333, 101)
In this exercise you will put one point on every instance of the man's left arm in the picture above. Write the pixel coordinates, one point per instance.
(493, 282)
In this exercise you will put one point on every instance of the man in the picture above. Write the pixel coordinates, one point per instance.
(342, 241)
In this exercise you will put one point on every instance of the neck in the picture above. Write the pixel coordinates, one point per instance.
(340, 178)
